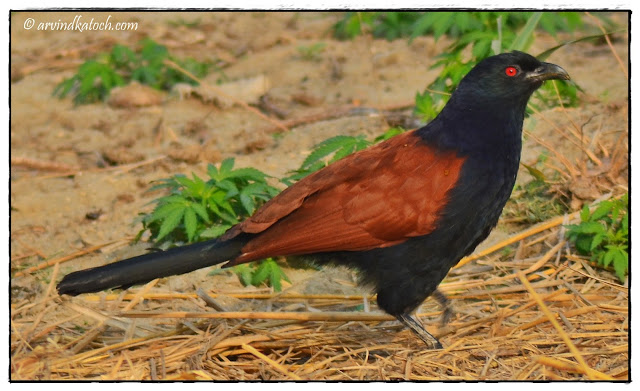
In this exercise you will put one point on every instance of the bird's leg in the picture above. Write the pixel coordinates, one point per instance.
(445, 303)
(419, 330)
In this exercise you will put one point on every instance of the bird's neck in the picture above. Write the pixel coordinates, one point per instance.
(477, 126)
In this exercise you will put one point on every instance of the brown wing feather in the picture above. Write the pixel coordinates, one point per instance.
(374, 198)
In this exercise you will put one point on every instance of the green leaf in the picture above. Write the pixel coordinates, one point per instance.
(585, 213)
(162, 212)
(621, 264)
(215, 231)
(249, 173)
(524, 36)
(442, 24)
(244, 273)
(534, 172)
(583, 244)
(391, 132)
(608, 257)
(603, 209)
(597, 239)
(190, 223)
(269, 272)
(326, 148)
(247, 203)
(592, 227)
(201, 211)
(226, 167)
(170, 222)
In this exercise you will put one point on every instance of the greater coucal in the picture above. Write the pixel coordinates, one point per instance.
(403, 212)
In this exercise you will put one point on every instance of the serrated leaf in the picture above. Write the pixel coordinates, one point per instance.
(585, 213)
(170, 223)
(190, 223)
(244, 273)
(621, 264)
(608, 257)
(201, 211)
(602, 210)
(215, 231)
(249, 173)
(269, 272)
(247, 203)
(592, 227)
(442, 24)
(165, 210)
(597, 240)
(212, 171)
(226, 166)
(231, 190)
(326, 148)
(583, 244)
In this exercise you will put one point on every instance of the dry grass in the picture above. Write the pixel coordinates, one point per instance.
(544, 315)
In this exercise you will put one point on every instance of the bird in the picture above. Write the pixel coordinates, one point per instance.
(402, 212)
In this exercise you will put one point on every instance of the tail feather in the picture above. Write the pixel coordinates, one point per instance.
(144, 268)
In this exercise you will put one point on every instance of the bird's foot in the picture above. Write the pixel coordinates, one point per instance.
(445, 303)
(419, 330)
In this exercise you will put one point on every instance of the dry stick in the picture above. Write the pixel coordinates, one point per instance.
(224, 94)
(337, 112)
(606, 36)
(88, 338)
(583, 139)
(271, 363)
(109, 320)
(572, 367)
(210, 300)
(611, 284)
(140, 295)
(43, 302)
(66, 258)
(53, 326)
(573, 171)
(257, 296)
(300, 316)
(124, 168)
(591, 373)
(41, 165)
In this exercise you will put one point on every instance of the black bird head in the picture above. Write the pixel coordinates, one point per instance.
(508, 79)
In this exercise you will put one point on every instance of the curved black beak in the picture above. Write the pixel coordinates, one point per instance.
(548, 71)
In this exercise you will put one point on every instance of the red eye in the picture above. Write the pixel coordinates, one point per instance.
(511, 71)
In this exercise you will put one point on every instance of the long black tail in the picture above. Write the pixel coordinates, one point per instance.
(144, 268)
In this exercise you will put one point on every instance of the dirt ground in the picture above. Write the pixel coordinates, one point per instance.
(114, 153)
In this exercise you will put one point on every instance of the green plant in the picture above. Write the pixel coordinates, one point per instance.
(604, 234)
(95, 78)
(534, 202)
(484, 33)
(265, 272)
(337, 147)
(333, 149)
(500, 31)
(311, 52)
(196, 209)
